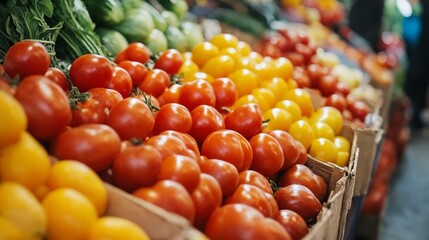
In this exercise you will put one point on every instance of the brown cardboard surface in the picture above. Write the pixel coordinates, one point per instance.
(319, 230)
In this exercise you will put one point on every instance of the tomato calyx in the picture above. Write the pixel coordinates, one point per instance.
(265, 123)
(136, 141)
(146, 99)
(177, 78)
(75, 97)
(274, 186)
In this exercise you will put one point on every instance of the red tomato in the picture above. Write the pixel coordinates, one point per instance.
(299, 199)
(171, 196)
(270, 50)
(5, 86)
(121, 82)
(131, 118)
(182, 169)
(293, 224)
(224, 145)
(225, 92)
(301, 174)
(316, 72)
(134, 52)
(136, 167)
(347, 115)
(247, 152)
(288, 145)
(58, 77)
(155, 82)
(96, 145)
(170, 61)
(305, 51)
(343, 89)
(169, 145)
(246, 120)
(170, 95)
(359, 109)
(255, 197)
(46, 106)
(267, 154)
(26, 58)
(189, 141)
(328, 85)
(136, 70)
(337, 101)
(301, 78)
(302, 159)
(205, 120)
(173, 116)
(296, 58)
(224, 172)
(256, 179)
(197, 92)
(207, 197)
(242, 222)
(90, 71)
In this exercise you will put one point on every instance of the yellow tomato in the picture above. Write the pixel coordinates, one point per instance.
(245, 81)
(291, 83)
(243, 48)
(202, 52)
(219, 66)
(278, 119)
(115, 228)
(13, 121)
(200, 75)
(266, 94)
(302, 98)
(246, 62)
(302, 132)
(255, 56)
(323, 130)
(19, 206)
(343, 158)
(188, 68)
(187, 56)
(232, 52)
(8, 230)
(277, 85)
(63, 175)
(70, 215)
(249, 98)
(342, 144)
(330, 116)
(265, 70)
(41, 191)
(291, 107)
(25, 162)
(324, 149)
(224, 40)
(283, 68)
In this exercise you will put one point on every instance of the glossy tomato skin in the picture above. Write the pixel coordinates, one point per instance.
(239, 222)
(224, 172)
(96, 145)
(267, 154)
(26, 58)
(288, 145)
(246, 120)
(299, 199)
(170, 61)
(181, 169)
(169, 145)
(197, 92)
(173, 116)
(359, 109)
(337, 101)
(58, 77)
(46, 106)
(90, 71)
(293, 224)
(189, 141)
(138, 52)
(155, 82)
(121, 81)
(205, 120)
(136, 167)
(136, 70)
(171, 196)
(302, 158)
(301, 174)
(225, 92)
(131, 118)
(328, 85)
(207, 197)
(170, 95)
(254, 178)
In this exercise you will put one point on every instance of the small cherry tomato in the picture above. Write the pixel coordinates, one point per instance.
(170, 61)
(91, 71)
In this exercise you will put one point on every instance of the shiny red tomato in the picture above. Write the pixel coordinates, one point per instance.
(173, 116)
(170, 61)
(46, 106)
(267, 154)
(58, 77)
(337, 101)
(301, 78)
(304, 51)
(169, 145)
(224, 172)
(26, 58)
(155, 82)
(135, 51)
(189, 141)
(91, 71)
(136, 167)
(288, 145)
(225, 92)
(136, 70)
(246, 120)
(302, 159)
(256, 179)
(296, 58)
(316, 72)
(96, 145)
(242, 222)
(121, 81)
(170, 95)
(205, 120)
(359, 109)
(207, 197)
(328, 85)
(171, 196)
(299, 199)
(343, 89)
(197, 92)
(182, 169)
(131, 118)
(293, 224)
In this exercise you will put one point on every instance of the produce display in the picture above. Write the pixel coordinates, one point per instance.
(213, 130)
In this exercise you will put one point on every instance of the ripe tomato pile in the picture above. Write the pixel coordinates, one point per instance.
(217, 133)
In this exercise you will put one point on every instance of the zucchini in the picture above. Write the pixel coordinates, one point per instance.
(156, 41)
(105, 12)
(179, 7)
(240, 21)
(171, 18)
(113, 41)
(129, 5)
(158, 19)
(193, 33)
(176, 39)
(137, 25)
